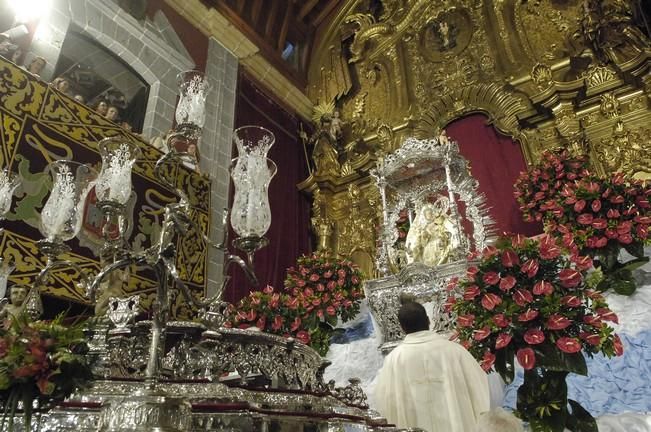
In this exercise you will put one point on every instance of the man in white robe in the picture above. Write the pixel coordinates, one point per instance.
(429, 382)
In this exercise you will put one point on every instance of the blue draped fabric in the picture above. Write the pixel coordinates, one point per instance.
(613, 386)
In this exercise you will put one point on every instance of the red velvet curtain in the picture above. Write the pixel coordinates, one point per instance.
(289, 235)
(496, 161)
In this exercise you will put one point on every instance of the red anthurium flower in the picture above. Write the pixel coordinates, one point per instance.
(507, 283)
(607, 315)
(643, 219)
(488, 361)
(490, 251)
(466, 344)
(277, 323)
(617, 344)
(584, 219)
(592, 320)
(557, 322)
(491, 278)
(528, 315)
(522, 297)
(510, 258)
(642, 231)
(582, 262)
(543, 288)
(471, 292)
(549, 250)
(579, 206)
(570, 278)
(500, 320)
(303, 336)
(568, 240)
(530, 267)
(502, 340)
(449, 304)
(526, 357)
(489, 301)
(452, 284)
(596, 205)
(618, 199)
(481, 334)
(534, 337)
(591, 338)
(471, 272)
(571, 301)
(465, 320)
(599, 223)
(295, 324)
(625, 239)
(518, 240)
(612, 214)
(568, 345)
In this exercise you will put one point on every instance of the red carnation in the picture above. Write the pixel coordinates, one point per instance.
(558, 322)
(465, 320)
(510, 258)
(568, 345)
(526, 357)
(507, 283)
(522, 297)
(471, 292)
(528, 315)
(570, 278)
(491, 278)
(502, 340)
(543, 288)
(534, 337)
(530, 267)
(489, 301)
(482, 333)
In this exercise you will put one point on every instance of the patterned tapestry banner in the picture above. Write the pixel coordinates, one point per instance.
(39, 125)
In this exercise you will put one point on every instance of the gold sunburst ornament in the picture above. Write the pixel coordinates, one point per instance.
(323, 110)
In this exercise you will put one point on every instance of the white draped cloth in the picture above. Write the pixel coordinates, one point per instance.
(433, 384)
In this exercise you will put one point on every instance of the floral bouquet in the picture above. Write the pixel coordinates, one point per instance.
(318, 292)
(39, 361)
(527, 300)
(597, 216)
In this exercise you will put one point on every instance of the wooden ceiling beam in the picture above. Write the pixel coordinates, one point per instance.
(282, 37)
(324, 12)
(255, 12)
(306, 8)
(271, 18)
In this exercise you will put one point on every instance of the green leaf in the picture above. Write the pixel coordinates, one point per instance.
(603, 285)
(623, 286)
(555, 423)
(553, 359)
(580, 420)
(636, 249)
(504, 364)
(635, 264)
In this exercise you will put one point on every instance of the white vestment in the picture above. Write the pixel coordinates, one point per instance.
(432, 383)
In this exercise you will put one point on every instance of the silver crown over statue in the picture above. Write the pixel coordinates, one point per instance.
(173, 376)
(421, 178)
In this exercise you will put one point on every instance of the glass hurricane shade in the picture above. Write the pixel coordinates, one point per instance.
(114, 181)
(8, 183)
(252, 172)
(251, 212)
(194, 87)
(62, 214)
(5, 270)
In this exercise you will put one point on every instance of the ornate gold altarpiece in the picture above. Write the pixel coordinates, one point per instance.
(546, 73)
(39, 125)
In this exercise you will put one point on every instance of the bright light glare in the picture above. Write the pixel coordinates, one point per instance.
(30, 10)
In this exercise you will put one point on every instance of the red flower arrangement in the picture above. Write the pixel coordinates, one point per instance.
(41, 361)
(318, 292)
(526, 299)
(594, 215)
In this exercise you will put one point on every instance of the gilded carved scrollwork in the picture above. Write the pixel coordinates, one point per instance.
(417, 65)
(626, 150)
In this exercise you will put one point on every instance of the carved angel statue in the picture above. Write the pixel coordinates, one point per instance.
(22, 300)
(430, 237)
